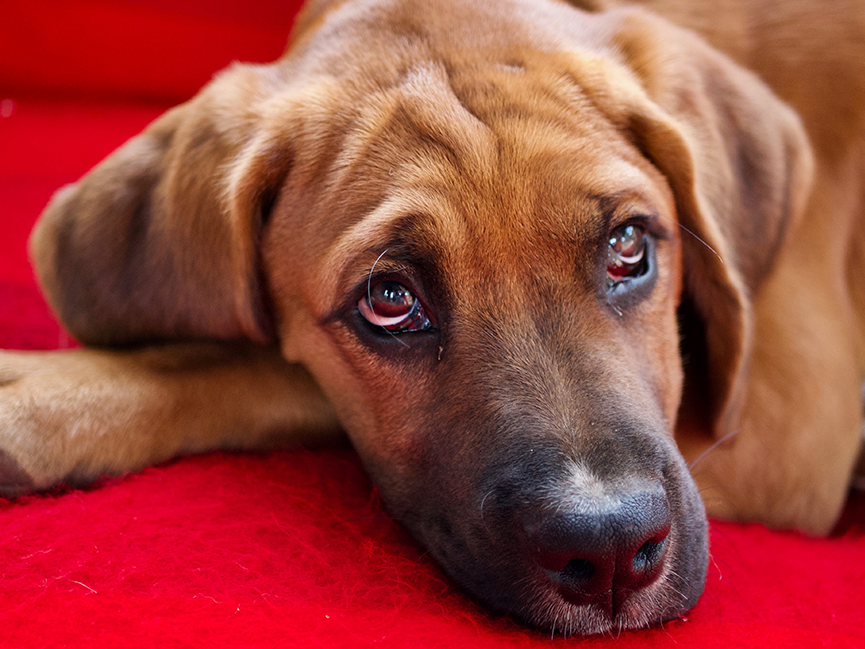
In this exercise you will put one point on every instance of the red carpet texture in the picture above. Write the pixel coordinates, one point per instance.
(289, 549)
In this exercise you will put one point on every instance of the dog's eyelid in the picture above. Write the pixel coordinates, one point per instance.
(620, 210)
(398, 271)
(401, 275)
(655, 224)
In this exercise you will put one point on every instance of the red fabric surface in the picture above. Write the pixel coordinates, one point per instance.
(141, 48)
(292, 548)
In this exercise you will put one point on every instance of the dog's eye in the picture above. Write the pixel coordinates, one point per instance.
(392, 306)
(626, 253)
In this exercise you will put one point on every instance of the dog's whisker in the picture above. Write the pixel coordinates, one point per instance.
(676, 590)
(483, 501)
(714, 487)
(702, 241)
(726, 437)
(369, 293)
(693, 234)
(370, 274)
(717, 567)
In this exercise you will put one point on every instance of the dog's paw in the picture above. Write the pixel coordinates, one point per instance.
(15, 433)
(35, 449)
(14, 480)
(74, 416)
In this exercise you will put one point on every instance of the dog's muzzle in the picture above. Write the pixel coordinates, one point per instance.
(570, 543)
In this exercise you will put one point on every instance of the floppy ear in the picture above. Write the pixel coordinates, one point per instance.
(739, 163)
(160, 240)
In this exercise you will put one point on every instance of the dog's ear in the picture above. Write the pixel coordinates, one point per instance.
(739, 164)
(160, 240)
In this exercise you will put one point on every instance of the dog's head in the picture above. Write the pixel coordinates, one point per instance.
(475, 225)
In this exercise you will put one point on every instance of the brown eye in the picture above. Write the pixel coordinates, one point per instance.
(392, 306)
(626, 253)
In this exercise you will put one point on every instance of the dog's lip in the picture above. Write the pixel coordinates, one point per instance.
(14, 480)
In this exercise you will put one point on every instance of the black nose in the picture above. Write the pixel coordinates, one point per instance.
(602, 554)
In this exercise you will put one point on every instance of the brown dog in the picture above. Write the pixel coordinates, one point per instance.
(471, 233)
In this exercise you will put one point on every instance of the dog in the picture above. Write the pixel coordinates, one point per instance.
(537, 259)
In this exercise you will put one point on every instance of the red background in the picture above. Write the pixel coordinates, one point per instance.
(290, 548)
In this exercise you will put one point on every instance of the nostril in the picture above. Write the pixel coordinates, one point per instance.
(578, 572)
(580, 581)
(648, 555)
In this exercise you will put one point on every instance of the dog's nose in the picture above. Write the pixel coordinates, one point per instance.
(602, 555)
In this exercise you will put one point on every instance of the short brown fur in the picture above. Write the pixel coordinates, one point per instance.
(482, 152)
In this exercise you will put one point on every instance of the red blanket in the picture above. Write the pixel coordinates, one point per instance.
(290, 548)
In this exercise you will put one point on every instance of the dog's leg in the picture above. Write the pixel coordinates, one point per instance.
(73, 416)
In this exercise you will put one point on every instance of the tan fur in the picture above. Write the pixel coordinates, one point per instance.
(477, 147)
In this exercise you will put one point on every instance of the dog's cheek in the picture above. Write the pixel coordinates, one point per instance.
(655, 332)
(376, 400)
(664, 351)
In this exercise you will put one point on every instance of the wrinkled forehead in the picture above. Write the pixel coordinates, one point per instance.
(478, 164)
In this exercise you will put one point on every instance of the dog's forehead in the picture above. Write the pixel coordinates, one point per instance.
(474, 147)
(381, 37)
(470, 166)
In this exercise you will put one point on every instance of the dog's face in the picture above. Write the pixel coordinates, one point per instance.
(494, 317)
(495, 322)
(480, 222)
